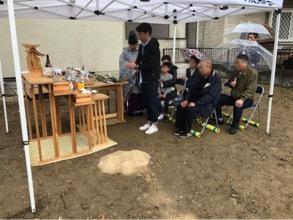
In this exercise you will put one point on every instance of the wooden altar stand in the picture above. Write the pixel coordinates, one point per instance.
(88, 130)
(118, 116)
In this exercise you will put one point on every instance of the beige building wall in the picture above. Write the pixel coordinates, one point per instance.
(96, 45)
(211, 32)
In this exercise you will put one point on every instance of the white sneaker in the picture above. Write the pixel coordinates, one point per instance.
(145, 127)
(152, 129)
(161, 116)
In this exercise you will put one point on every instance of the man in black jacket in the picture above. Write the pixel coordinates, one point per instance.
(148, 66)
(200, 100)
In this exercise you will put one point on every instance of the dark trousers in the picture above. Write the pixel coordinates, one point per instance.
(185, 116)
(167, 100)
(149, 94)
(237, 112)
(134, 103)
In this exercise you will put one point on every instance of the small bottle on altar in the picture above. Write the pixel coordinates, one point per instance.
(71, 85)
(48, 62)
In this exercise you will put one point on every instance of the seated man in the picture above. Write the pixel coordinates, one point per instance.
(200, 100)
(243, 83)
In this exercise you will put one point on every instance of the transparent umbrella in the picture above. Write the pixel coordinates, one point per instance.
(259, 58)
(238, 30)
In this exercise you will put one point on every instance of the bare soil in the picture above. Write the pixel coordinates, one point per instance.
(248, 175)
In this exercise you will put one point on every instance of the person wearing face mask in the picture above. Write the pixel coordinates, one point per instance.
(243, 83)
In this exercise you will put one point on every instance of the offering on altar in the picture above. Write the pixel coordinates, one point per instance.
(76, 74)
(56, 73)
(106, 78)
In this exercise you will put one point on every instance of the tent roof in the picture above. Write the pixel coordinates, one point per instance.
(153, 11)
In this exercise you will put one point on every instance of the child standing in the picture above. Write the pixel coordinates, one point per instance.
(165, 93)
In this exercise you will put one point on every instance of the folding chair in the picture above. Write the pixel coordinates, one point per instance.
(254, 107)
(208, 126)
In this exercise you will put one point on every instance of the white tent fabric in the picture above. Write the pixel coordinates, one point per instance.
(153, 11)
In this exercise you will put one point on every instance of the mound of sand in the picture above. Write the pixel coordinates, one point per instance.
(125, 162)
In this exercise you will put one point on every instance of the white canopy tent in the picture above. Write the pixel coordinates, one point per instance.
(152, 11)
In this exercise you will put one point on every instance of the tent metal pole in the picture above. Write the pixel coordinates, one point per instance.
(273, 73)
(21, 101)
(3, 98)
(97, 5)
(174, 44)
(197, 34)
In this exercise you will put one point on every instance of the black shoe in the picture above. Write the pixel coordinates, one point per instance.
(166, 119)
(139, 114)
(131, 114)
(178, 133)
(184, 136)
(233, 131)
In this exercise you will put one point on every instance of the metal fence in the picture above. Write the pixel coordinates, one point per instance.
(283, 54)
(286, 28)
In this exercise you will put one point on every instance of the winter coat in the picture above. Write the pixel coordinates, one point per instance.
(148, 61)
(211, 92)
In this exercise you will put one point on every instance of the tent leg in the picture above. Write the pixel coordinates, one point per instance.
(21, 101)
(174, 45)
(272, 82)
(197, 34)
(3, 98)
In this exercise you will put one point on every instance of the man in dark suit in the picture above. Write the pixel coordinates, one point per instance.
(148, 66)
(200, 100)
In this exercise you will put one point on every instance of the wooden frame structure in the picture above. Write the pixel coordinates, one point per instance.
(92, 127)
(118, 117)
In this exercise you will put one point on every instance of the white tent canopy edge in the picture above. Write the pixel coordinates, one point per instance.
(154, 11)
(179, 12)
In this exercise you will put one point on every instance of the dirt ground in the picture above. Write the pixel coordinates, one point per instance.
(216, 176)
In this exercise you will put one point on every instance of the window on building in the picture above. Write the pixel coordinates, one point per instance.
(286, 27)
(160, 31)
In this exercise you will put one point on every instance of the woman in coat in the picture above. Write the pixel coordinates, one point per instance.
(132, 95)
